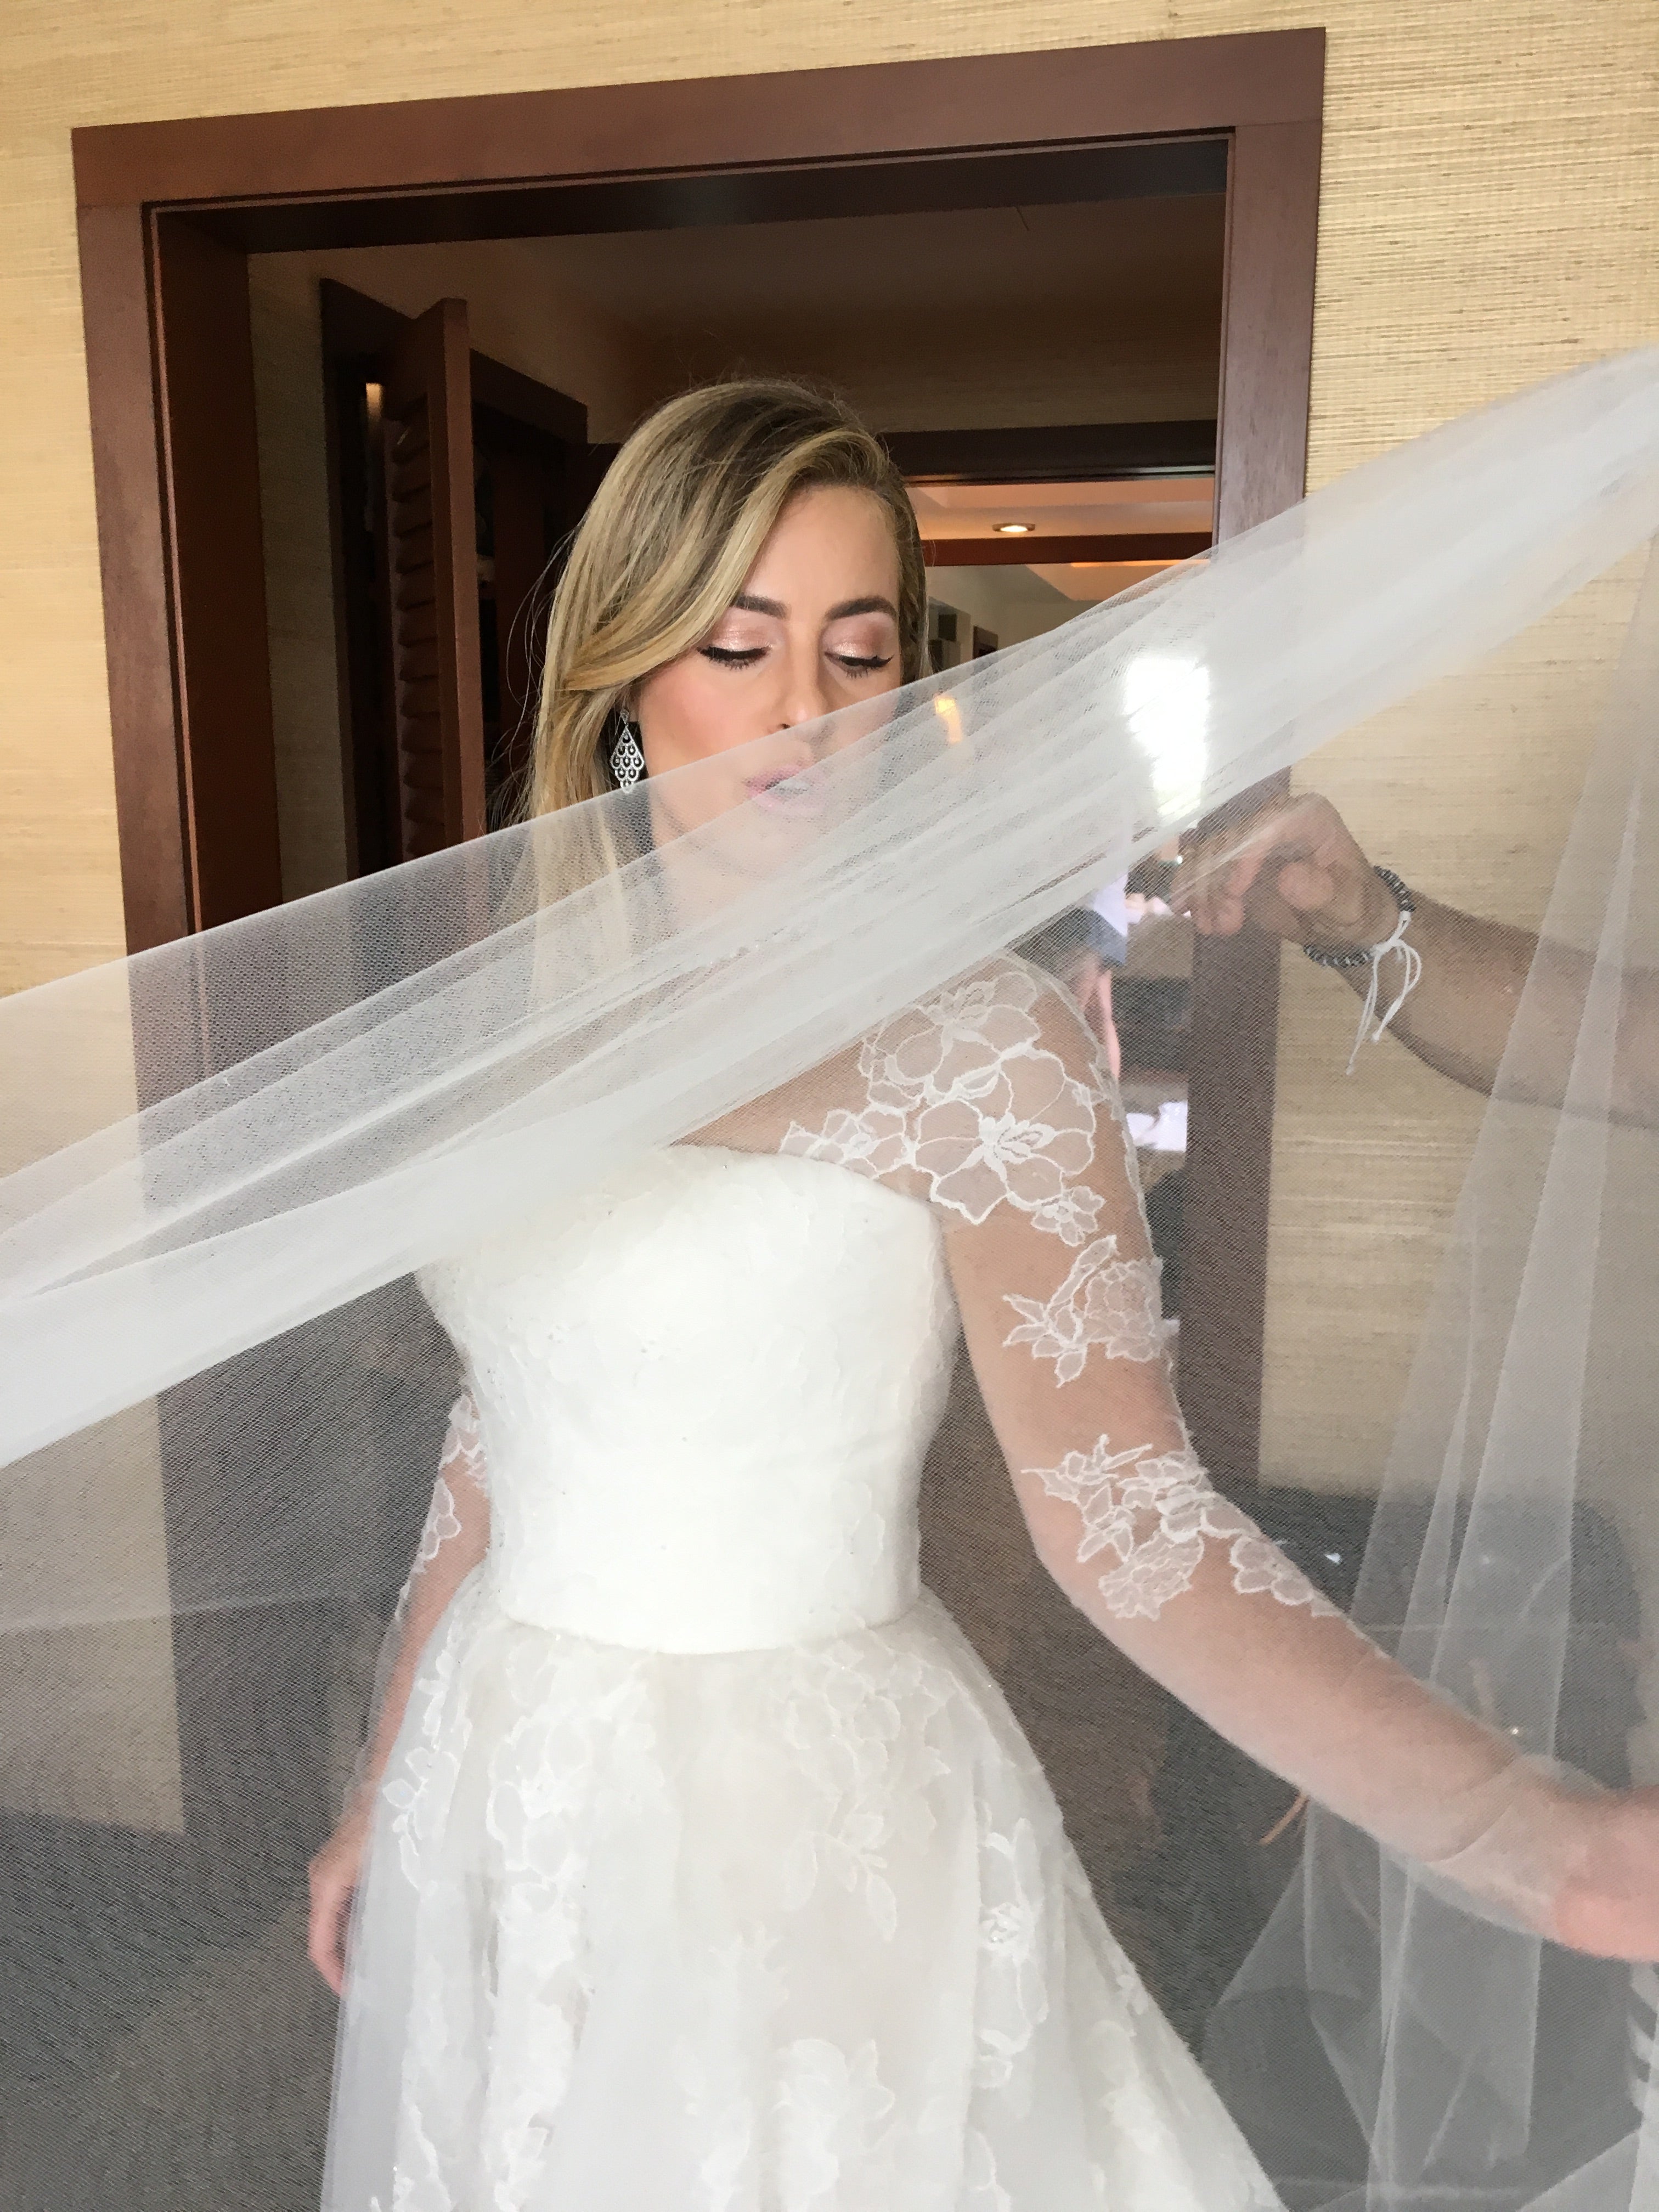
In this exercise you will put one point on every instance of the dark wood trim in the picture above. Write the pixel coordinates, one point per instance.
(532, 440)
(182, 553)
(211, 451)
(1079, 452)
(541, 208)
(432, 583)
(1273, 218)
(359, 679)
(135, 564)
(798, 119)
(1267, 348)
(1022, 552)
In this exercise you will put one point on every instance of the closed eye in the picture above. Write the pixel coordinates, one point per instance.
(732, 656)
(866, 666)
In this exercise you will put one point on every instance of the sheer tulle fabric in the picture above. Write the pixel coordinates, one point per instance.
(1516, 1477)
(889, 1985)
(330, 1093)
(705, 1124)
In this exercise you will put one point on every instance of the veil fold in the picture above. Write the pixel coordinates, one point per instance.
(221, 1398)
(1509, 1562)
(328, 1093)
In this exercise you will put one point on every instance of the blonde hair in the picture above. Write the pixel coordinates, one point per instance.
(675, 527)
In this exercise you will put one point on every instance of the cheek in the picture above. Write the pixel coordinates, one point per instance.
(686, 711)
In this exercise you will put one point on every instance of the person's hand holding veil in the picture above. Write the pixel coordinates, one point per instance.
(1295, 869)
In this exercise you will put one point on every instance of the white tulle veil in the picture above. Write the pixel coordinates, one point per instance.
(220, 1395)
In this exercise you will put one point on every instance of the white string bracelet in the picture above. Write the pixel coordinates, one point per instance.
(1371, 1025)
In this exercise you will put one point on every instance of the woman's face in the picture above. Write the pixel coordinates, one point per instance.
(814, 628)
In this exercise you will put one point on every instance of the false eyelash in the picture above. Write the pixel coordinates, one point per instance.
(726, 656)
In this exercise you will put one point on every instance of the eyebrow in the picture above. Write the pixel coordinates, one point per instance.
(874, 604)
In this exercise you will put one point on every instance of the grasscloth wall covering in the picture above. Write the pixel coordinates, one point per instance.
(1491, 215)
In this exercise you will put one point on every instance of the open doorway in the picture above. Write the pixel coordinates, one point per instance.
(1005, 353)
(1048, 376)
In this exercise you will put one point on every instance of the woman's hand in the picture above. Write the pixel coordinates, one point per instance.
(1294, 869)
(333, 1879)
(1608, 1905)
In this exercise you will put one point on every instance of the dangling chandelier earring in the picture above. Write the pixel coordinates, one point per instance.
(627, 761)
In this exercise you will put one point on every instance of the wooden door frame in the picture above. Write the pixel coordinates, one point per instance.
(179, 546)
(509, 411)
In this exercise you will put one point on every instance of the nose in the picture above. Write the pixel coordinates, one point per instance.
(805, 694)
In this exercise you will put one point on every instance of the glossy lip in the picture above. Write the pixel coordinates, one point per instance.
(787, 791)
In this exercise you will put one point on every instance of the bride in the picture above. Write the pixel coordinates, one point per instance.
(697, 1860)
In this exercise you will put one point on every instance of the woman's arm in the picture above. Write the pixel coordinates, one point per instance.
(454, 1542)
(1060, 1306)
(1296, 870)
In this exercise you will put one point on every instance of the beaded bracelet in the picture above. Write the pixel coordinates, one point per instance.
(1373, 1026)
(1356, 956)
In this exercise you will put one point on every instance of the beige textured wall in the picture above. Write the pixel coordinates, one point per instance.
(1367, 1168)
(1491, 215)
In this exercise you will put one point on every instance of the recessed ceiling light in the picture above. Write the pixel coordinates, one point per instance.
(1011, 529)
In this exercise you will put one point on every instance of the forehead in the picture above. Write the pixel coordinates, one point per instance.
(825, 528)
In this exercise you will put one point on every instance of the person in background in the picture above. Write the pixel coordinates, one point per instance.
(1296, 870)
(1080, 949)
(1109, 911)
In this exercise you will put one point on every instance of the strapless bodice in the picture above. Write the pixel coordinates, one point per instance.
(705, 1389)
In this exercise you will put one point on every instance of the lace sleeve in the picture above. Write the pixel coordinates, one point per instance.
(989, 1101)
(454, 1540)
(462, 1482)
(992, 1101)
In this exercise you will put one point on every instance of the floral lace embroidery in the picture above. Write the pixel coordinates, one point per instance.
(1104, 1300)
(442, 1522)
(578, 1752)
(979, 2176)
(832, 2108)
(1014, 1940)
(429, 1755)
(461, 1459)
(961, 1092)
(463, 1453)
(837, 1723)
(1157, 1512)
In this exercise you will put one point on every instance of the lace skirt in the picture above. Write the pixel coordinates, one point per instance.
(792, 1930)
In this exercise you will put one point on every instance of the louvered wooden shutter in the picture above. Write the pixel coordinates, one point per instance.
(432, 573)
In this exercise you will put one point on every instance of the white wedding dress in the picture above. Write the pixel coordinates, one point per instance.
(711, 1872)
